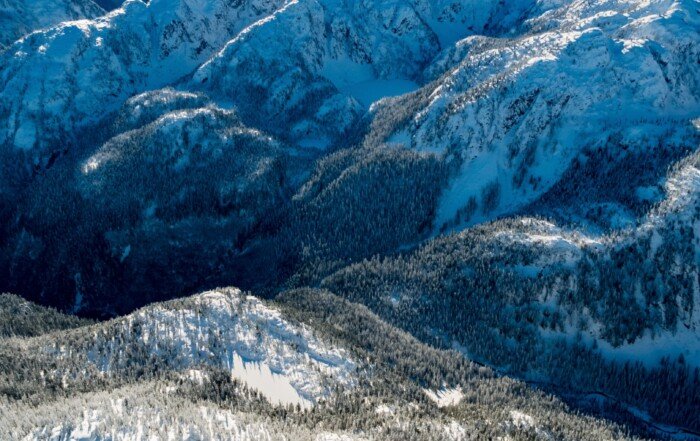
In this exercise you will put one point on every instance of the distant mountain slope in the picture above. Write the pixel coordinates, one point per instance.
(233, 181)
(542, 301)
(62, 79)
(502, 129)
(193, 366)
(338, 58)
(511, 114)
(20, 17)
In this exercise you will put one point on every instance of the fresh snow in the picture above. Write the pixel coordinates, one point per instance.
(21, 17)
(445, 397)
(521, 419)
(337, 58)
(106, 60)
(132, 414)
(275, 387)
(360, 82)
(652, 347)
(513, 116)
(555, 244)
(227, 329)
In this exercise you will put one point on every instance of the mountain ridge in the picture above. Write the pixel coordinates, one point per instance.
(510, 182)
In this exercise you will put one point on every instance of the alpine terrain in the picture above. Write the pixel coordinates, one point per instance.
(350, 219)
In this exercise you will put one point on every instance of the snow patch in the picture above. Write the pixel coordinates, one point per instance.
(445, 397)
(276, 388)
(521, 419)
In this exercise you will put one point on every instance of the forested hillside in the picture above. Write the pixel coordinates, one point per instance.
(462, 219)
(226, 364)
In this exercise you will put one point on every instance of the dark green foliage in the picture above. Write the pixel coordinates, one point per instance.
(91, 226)
(494, 299)
(603, 184)
(19, 317)
(360, 203)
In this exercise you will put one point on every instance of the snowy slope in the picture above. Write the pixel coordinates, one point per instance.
(512, 113)
(617, 314)
(20, 17)
(674, 327)
(61, 79)
(226, 329)
(140, 412)
(671, 233)
(333, 51)
(337, 58)
(161, 373)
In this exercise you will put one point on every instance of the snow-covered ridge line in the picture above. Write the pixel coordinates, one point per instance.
(225, 329)
(21, 17)
(201, 71)
(515, 112)
(139, 47)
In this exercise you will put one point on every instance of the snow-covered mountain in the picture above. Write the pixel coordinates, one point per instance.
(513, 180)
(337, 59)
(513, 113)
(536, 299)
(223, 364)
(57, 81)
(20, 17)
(224, 329)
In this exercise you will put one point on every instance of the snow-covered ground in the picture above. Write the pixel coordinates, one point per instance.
(105, 61)
(275, 387)
(445, 397)
(148, 411)
(653, 346)
(368, 92)
(227, 329)
(556, 245)
(521, 419)
(515, 115)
